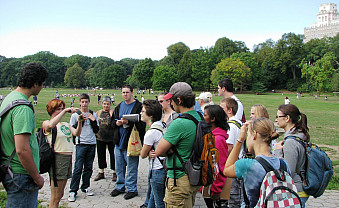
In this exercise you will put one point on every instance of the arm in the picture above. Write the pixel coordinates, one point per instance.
(145, 150)
(229, 166)
(76, 131)
(94, 122)
(48, 125)
(24, 153)
(162, 148)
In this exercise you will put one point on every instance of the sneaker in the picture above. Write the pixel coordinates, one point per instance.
(71, 197)
(116, 192)
(130, 195)
(99, 176)
(88, 191)
(114, 178)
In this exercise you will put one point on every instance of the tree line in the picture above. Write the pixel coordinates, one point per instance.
(288, 63)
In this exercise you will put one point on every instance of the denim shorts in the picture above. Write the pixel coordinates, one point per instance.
(21, 194)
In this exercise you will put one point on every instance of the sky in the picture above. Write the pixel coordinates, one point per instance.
(144, 28)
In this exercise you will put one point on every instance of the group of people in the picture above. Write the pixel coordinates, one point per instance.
(168, 136)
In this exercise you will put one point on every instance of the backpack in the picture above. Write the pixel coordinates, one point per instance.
(319, 169)
(201, 167)
(277, 188)
(46, 152)
(6, 168)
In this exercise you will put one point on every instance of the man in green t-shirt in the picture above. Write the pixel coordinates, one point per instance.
(181, 134)
(18, 132)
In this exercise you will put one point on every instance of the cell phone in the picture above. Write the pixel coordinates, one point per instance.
(78, 112)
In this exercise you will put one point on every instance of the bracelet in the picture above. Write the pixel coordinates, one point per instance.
(240, 141)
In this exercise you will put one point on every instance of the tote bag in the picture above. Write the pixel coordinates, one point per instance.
(134, 144)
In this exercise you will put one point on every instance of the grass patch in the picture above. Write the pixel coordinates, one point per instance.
(334, 183)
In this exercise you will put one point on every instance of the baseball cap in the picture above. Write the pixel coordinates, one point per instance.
(208, 94)
(202, 96)
(179, 89)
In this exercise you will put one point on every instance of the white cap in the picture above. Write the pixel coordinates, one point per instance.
(202, 96)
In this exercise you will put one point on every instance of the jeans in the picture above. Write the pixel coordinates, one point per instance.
(84, 158)
(23, 195)
(101, 152)
(148, 195)
(123, 162)
(157, 189)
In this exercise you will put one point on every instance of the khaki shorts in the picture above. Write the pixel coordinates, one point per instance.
(63, 166)
(182, 195)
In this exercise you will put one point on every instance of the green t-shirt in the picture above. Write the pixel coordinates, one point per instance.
(19, 120)
(181, 133)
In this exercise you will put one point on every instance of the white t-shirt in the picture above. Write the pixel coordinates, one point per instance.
(240, 111)
(233, 135)
(152, 138)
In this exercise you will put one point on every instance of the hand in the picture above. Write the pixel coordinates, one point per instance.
(119, 123)
(71, 110)
(91, 117)
(243, 130)
(81, 118)
(124, 120)
(279, 145)
(39, 181)
(215, 197)
(151, 154)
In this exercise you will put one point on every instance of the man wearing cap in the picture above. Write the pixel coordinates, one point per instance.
(105, 139)
(181, 135)
(203, 100)
(209, 95)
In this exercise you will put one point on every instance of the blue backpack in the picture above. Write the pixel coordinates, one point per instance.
(319, 169)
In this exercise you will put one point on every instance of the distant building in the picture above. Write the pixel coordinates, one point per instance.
(327, 24)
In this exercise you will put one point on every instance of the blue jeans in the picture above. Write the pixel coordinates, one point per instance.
(23, 195)
(84, 158)
(303, 201)
(157, 189)
(123, 162)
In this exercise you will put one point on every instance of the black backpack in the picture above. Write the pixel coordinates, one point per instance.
(6, 168)
(46, 152)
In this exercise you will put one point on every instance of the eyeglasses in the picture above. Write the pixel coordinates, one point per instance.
(161, 101)
(280, 116)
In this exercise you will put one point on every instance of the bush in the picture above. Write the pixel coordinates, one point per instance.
(293, 84)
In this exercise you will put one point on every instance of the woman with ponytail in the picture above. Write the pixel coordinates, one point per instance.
(295, 125)
(260, 133)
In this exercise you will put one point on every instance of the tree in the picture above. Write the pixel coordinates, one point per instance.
(83, 61)
(320, 74)
(11, 72)
(129, 64)
(74, 76)
(142, 73)
(225, 47)
(113, 76)
(164, 77)
(177, 51)
(100, 59)
(184, 70)
(233, 69)
(249, 60)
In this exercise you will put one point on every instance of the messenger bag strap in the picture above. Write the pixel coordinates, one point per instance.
(54, 135)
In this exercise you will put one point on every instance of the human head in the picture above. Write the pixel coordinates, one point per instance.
(84, 101)
(166, 104)
(225, 85)
(261, 128)
(215, 114)
(106, 103)
(33, 73)
(202, 99)
(152, 109)
(127, 92)
(209, 96)
(290, 114)
(53, 105)
(181, 94)
(229, 104)
(258, 111)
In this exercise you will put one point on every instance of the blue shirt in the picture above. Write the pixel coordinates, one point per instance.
(253, 173)
(124, 109)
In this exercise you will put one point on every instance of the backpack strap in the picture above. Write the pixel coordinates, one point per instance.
(94, 124)
(54, 135)
(189, 117)
(235, 123)
(268, 167)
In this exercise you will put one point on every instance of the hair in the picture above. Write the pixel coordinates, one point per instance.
(187, 101)
(227, 83)
(107, 99)
(260, 111)
(153, 109)
(298, 119)
(216, 112)
(127, 86)
(162, 93)
(54, 104)
(230, 103)
(32, 73)
(84, 96)
(265, 128)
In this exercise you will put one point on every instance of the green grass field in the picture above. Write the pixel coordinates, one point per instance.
(322, 115)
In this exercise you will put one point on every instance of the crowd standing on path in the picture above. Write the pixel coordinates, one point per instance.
(168, 144)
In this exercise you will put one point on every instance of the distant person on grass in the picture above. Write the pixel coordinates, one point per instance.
(18, 133)
(63, 147)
